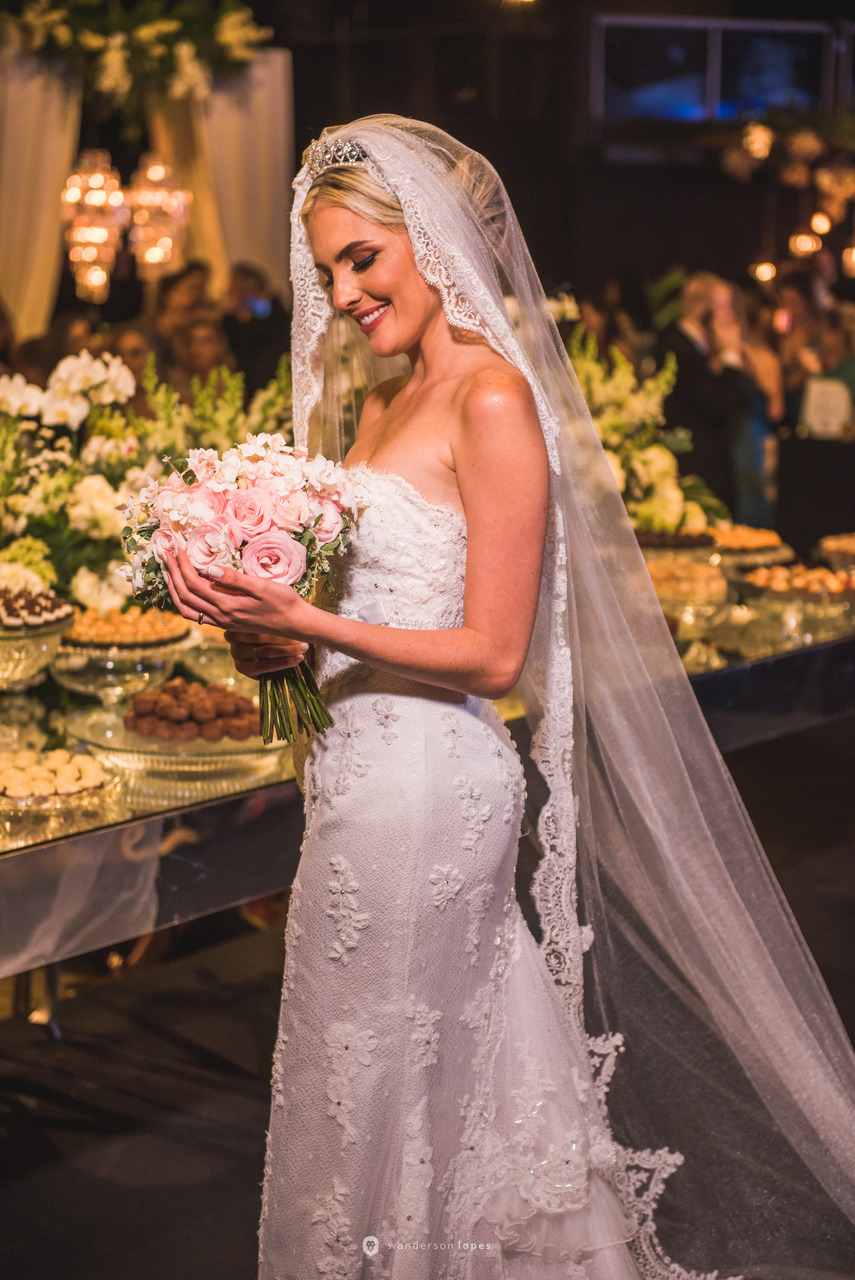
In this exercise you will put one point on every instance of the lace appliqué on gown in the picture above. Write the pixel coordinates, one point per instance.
(344, 909)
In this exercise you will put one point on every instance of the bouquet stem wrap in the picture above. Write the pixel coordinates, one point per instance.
(291, 704)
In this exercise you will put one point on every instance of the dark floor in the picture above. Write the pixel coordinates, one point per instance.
(133, 1149)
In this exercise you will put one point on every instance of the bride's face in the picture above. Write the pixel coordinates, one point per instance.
(371, 275)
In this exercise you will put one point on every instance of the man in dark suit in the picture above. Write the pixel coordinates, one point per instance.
(713, 390)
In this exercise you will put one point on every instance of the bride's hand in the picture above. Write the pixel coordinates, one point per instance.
(256, 653)
(235, 601)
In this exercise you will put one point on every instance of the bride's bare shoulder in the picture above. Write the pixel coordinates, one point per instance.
(498, 393)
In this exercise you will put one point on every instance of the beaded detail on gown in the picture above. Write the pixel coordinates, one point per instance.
(431, 1096)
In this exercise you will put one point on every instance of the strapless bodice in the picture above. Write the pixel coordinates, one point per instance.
(406, 554)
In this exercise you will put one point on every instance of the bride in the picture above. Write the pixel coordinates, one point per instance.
(660, 1087)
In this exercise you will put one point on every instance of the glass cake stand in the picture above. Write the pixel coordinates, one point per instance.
(163, 775)
(115, 673)
(35, 819)
(25, 652)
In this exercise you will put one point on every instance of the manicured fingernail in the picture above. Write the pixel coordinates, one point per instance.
(214, 571)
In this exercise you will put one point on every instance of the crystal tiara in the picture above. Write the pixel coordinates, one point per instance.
(328, 155)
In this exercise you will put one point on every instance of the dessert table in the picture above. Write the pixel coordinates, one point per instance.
(148, 872)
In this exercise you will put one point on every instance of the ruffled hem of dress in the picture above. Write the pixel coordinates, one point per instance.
(573, 1235)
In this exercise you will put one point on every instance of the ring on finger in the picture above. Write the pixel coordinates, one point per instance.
(201, 616)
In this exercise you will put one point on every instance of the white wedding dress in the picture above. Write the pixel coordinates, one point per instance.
(440, 1078)
(429, 1087)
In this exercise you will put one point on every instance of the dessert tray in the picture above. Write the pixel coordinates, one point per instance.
(162, 774)
(819, 595)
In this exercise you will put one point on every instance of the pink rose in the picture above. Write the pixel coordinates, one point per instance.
(206, 503)
(214, 543)
(330, 524)
(291, 510)
(164, 542)
(252, 510)
(275, 555)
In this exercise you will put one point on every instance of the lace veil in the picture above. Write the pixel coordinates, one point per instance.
(722, 1066)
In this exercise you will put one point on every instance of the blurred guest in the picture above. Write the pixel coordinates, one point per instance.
(69, 334)
(713, 390)
(605, 325)
(256, 324)
(626, 308)
(179, 302)
(755, 447)
(197, 280)
(835, 349)
(32, 360)
(207, 350)
(134, 341)
(797, 325)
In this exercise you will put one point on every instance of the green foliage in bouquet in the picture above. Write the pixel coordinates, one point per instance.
(630, 422)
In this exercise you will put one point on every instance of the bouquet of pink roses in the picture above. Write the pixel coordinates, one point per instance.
(264, 509)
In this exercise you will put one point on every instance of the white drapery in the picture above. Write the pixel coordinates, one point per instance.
(235, 152)
(39, 128)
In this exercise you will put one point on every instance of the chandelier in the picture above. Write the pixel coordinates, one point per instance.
(159, 211)
(94, 214)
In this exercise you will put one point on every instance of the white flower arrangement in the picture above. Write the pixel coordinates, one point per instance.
(105, 591)
(79, 382)
(630, 422)
(19, 398)
(62, 508)
(94, 508)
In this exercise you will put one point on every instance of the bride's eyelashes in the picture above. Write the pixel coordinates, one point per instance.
(362, 265)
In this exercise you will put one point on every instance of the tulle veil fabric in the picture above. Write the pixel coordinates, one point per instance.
(722, 1066)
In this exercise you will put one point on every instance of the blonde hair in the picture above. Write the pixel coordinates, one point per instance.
(352, 187)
